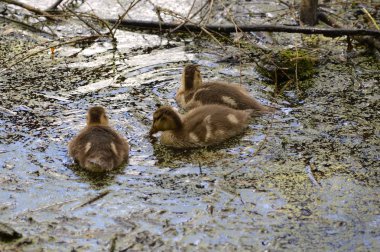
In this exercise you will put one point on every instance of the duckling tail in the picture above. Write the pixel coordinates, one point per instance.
(99, 164)
(262, 111)
(253, 113)
(269, 109)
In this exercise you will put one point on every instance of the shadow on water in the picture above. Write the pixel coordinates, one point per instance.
(97, 180)
(209, 155)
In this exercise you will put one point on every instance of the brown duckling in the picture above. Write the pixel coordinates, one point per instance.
(194, 93)
(201, 126)
(98, 147)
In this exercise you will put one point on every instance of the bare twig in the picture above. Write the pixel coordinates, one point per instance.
(30, 8)
(92, 200)
(83, 20)
(7, 111)
(212, 36)
(113, 243)
(97, 19)
(372, 19)
(296, 70)
(56, 204)
(311, 176)
(289, 5)
(201, 27)
(208, 14)
(287, 84)
(237, 40)
(27, 26)
(191, 9)
(55, 5)
(131, 5)
(188, 15)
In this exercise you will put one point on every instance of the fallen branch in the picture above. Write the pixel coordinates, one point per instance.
(246, 28)
(368, 40)
(30, 8)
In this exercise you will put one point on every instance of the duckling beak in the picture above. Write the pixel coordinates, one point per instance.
(153, 131)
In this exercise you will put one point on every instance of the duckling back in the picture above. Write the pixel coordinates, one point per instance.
(99, 149)
(231, 95)
(207, 125)
(213, 124)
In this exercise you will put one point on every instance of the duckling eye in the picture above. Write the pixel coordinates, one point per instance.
(158, 117)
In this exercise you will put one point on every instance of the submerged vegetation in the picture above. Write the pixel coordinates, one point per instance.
(287, 68)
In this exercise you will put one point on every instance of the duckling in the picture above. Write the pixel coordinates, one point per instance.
(201, 126)
(193, 93)
(98, 147)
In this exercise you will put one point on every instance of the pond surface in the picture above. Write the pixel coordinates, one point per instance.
(305, 178)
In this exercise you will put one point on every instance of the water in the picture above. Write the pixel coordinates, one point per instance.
(182, 200)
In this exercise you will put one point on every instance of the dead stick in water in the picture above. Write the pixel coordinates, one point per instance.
(113, 243)
(92, 200)
(311, 176)
(53, 205)
(47, 206)
(7, 111)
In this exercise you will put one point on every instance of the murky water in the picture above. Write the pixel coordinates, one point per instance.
(314, 185)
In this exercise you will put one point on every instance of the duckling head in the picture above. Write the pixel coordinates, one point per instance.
(97, 116)
(191, 77)
(165, 118)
